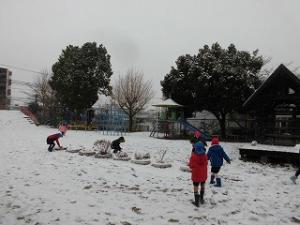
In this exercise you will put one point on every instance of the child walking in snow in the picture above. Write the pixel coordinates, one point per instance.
(198, 166)
(198, 137)
(52, 138)
(216, 154)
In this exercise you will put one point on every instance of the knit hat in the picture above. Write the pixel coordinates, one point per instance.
(215, 141)
(121, 139)
(197, 134)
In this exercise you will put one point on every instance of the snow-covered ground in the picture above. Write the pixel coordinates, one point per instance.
(273, 148)
(38, 187)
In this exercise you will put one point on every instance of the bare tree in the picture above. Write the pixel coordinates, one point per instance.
(131, 92)
(42, 92)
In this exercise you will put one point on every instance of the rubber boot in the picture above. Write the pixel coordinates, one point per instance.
(212, 179)
(197, 198)
(201, 197)
(218, 184)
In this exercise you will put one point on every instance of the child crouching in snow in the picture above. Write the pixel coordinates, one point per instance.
(198, 166)
(52, 138)
(216, 154)
(63, 127)
(115, 145)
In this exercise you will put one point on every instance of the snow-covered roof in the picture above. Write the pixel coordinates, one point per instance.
(102, 100)
(167, 103)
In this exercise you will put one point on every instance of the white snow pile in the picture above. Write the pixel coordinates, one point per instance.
(294, 149)
(39, 187)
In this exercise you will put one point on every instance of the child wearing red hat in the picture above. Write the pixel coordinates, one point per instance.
(198, 166)
(216, 154)
(197, 137)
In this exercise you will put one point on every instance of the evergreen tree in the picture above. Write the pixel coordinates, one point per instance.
(80, 74)
(216, 79)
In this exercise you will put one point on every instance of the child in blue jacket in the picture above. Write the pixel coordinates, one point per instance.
(216, 154)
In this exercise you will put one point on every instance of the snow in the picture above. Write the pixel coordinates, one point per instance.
(38, 187)
(273, 148)
(167, 103)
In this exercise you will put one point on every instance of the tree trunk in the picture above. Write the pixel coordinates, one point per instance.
(221, 117)
(130, 122)
(222, 123)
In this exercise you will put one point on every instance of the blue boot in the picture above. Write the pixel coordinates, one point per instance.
(218, 184)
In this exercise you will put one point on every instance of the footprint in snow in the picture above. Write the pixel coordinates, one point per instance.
(87, 187)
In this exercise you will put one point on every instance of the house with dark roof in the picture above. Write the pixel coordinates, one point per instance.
(275, 105)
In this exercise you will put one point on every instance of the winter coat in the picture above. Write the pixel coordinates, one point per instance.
(216, 154)
(54, 137)
(198, 163)
(194, 139)
(116, 145)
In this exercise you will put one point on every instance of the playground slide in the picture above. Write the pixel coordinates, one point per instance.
(192, 128)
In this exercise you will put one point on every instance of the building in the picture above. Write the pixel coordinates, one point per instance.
(5, 88)
(275, 105)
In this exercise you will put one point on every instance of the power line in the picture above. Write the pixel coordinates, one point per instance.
(20, 82)
(20, 68)
(22, 89)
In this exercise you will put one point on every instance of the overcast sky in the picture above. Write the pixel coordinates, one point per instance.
(145, 34)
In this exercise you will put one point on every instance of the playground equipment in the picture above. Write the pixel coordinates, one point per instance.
(176, 129)
(111, 120)
(187, 126)
(171, 122)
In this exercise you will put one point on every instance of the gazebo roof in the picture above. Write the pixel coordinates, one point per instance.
(168, 103)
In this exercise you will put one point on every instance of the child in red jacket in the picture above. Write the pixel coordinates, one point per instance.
(198, 165)
(51, 139)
